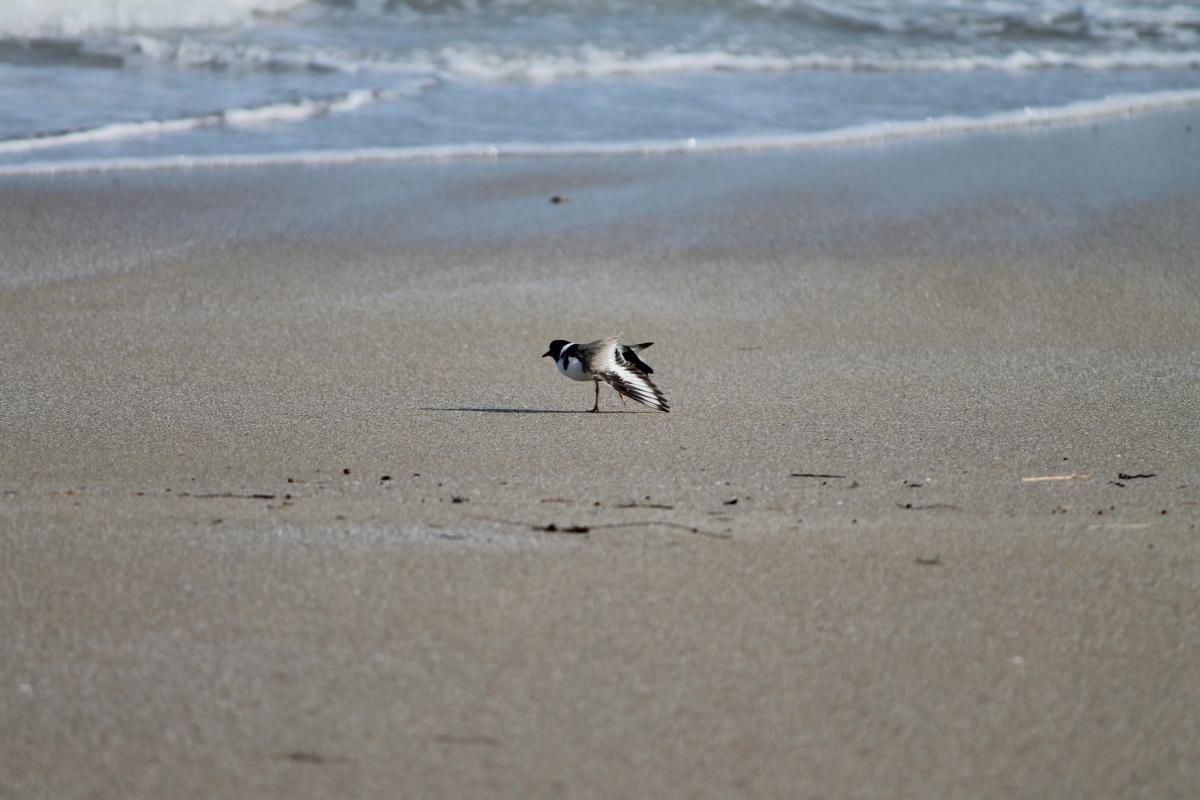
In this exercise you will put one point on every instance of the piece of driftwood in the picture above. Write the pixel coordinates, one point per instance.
(1075, 476)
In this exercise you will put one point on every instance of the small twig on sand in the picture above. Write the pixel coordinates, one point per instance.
(928, 562)
(815, 475)
(585, 529)
(1071, 477)
(1126, 476)
(552, 528)
(928, 507)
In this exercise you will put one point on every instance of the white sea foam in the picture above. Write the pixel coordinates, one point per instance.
(594, 62)
(1113, 22)
(79, 17)
(877, 133)
(486, 63)
(196, 51)
(250, 117)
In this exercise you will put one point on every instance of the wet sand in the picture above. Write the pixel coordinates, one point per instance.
(289, 505)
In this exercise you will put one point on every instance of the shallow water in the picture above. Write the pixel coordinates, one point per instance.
(149, 79)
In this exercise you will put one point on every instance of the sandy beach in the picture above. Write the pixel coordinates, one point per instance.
(290, 507)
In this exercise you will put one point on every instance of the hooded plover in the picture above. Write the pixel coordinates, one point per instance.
(610, 361)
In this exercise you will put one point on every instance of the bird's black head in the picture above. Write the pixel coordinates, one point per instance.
(555, 348)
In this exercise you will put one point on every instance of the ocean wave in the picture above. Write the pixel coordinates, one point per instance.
(217, 54)
(594, 62)
(999, 19)
(1083, 112)
(520, 39)
(54, 53)
(75, 18)
(248, 117)
(1158, 20)
(1066, 19)
(492, 63)
(196, 52)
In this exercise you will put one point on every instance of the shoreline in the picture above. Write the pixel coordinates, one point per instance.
(1082, 112)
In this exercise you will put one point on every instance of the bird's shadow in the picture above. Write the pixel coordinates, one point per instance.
(523, 410)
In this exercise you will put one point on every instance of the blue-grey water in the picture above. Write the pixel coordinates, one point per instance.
(146, 79)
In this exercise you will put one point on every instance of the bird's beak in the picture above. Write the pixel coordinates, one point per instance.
(546, 354)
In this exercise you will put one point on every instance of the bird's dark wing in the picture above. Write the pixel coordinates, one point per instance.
(629, 352)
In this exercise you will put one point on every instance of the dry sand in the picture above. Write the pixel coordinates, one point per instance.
(196, 600)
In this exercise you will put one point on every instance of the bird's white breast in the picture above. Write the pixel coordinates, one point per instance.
(573, 368)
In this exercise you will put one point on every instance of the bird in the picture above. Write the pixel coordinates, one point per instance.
(616, 364)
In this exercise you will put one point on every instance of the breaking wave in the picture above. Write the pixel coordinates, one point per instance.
(876, 133)
(249, 117)
(73, 18)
